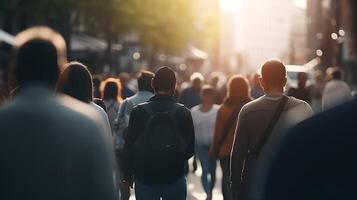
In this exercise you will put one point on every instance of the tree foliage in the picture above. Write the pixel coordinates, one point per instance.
(161, 24)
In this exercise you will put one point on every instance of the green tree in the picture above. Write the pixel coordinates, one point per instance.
(163, 26)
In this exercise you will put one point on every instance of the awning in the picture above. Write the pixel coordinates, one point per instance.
(194, 53)
(7, 38)
(81, 42)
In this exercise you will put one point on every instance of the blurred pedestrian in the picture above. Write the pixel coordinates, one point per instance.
(112, 99)
(76, 81)
(96, 87)
(190, 97)
(237, 96)
(316, 92)
(256, 90)
(219, 85)
(143, 95)
(51, 147)
(125, 90)
(301, 92)
(317, 159)
(257, 123)
(160, 140)
(204, 118)
(336, 90)
(97, 97)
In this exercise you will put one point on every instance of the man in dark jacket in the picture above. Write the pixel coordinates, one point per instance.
(155, 179)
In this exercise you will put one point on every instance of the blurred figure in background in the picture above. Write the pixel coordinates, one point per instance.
(219, 85)
(76, 81)
(237, 96)
(143, 95)
(96, 93)
(260, 121)
(317, 159)
(336, 90)
(316, 92)
(96, 87)
(51, 147)
(301, 92)
(204, 118)
(190, 96)
(256, 90)
(112, 98)
(125, 90)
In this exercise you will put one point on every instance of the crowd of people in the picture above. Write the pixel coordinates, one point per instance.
(66, 134)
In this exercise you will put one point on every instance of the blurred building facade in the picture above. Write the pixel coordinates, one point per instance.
(263, 31)
(330, 35)
(298, 37)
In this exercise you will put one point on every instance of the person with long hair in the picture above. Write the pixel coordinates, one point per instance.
(76, 81)
(111, 94)
(238, 94)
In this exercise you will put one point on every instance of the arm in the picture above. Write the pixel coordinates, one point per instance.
(239, 153)
(188, 131)
(133, 131)
(214, 152)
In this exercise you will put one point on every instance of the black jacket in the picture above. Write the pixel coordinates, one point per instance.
(137, 122)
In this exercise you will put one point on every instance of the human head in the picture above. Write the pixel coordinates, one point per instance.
(144, 81)
(302, 79)
(111, 89)
(76, 81)
(255, 80)
(334, 73)
(40, 53)
(208, 95)
(238, 87)
(214, 79)
(197, 80)
(124, 78)
(164, 81)
(273, 75)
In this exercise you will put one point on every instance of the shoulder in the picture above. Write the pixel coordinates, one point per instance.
(252, 105)
(195, 108)
(216, 107)
(294, 103)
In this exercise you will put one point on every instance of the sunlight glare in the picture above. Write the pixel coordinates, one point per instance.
(227, 5)
(300, 3)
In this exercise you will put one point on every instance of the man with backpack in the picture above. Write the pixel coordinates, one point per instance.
(160, 140)
(260, 124)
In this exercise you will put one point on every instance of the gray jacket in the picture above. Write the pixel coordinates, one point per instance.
(53, 148)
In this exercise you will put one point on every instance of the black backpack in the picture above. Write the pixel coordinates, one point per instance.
(161, 139)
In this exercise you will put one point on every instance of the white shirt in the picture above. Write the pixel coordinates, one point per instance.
(204, 124)
(336, 92)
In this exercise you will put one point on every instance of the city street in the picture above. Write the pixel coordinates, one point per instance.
(194, 186)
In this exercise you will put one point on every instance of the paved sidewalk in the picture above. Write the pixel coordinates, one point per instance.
(194, 186)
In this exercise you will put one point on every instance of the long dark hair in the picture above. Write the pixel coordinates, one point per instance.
(76, 81)
(237, 91)
(111, 89)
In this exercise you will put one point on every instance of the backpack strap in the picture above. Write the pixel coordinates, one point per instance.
(171, 112)
(148, 109)
(175, 109)
(256, 149)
